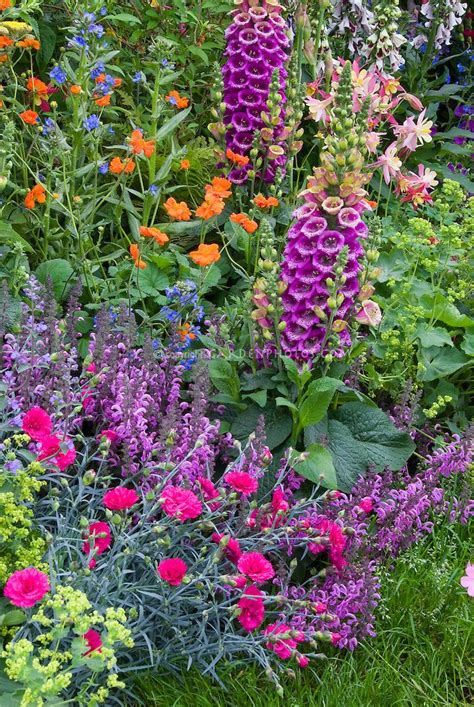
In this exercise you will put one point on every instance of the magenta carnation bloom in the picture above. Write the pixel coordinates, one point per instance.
(209, 491)
(50, 446)
(252, 609)
(99, 544)
(285, 646)
(337, 542)
(232, 548)
(256, 567)
(257, 44)
(26, 587)
(181, 503)
(120, 498)
(172, 571)
(37, 424)
(65, 460)
(242, 482)
(93, 640)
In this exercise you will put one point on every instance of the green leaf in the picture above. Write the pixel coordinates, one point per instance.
(224, 377)
(285, 403)
(61, 273)
(318, 466)
(440, 362)
(9, 235)
(151, 280)
(172, 124)
(467, 343)
(315, 405)
(278, 424)
(197, 51)
(440, 308)
(260, 398)
(125, 17)
(47, 37)
(15, 617)
(433, 336)
(358, 437)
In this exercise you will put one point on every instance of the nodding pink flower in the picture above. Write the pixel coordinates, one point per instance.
(468, 580)
(369, 313)
(390, 163)
(181, 504)
(303, 661)
(27, 587)
(242, 482)
(37, 424)
(172, 571)
(120, 498)
(287, 639)
(99, 544)
(255, 566)
(231, 548)
(93, 640)
(366, 504)
(252, 609)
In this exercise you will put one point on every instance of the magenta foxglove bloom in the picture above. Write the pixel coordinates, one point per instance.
(257, 44)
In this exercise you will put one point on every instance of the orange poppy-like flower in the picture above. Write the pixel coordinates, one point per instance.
(264, 202)
(244, 221)
(220, 187)
(117, 82)
(211, 206)
(179, 211)
(205, 255)
(139, 145)
(75, 89)
(185, 332)
(240, 160)
(175, 99)
(157, 235)
(29, 116)
(135, 253)
(100, 78)
(38, 88)
(103, 101)
(5, 41)
(116, 166)
(3, 58)
(372, 204)
(185, 164)
(37, 195)
(5, 4)
(29, 43)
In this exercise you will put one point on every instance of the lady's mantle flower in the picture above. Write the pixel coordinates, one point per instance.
(26, 587)
(172, 571)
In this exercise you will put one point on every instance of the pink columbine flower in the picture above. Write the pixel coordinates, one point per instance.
(37, 424)
(242, 482)
(120, 498)
(231, 549)
(390, 163)
(181, 504)
(468, 580)
(411, 132)
(369, 313)
(172, 571)
(256, 567)
(27, 587)
(252, 609)
(93, 640)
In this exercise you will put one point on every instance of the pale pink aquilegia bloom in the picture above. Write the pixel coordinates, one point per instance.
(390, 163)
(369, 313)
(468, 580)
(411, 133)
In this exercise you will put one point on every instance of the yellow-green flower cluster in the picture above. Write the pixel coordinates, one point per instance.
(437, 407)
(48, 664)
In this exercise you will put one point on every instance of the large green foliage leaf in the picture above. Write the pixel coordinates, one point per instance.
(359, 437)
(441, 361)
(278, 424)
(318, 466)
(61, 274)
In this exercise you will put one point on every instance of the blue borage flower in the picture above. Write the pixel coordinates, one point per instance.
(92, 123)
(104, 168)
(58, 74)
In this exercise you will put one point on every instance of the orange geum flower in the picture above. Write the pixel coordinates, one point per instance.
(185, 164)
(29, 116)
(100, 78)
(5, 41)
(219, 187)
(175, 99)
(103, 101)
(157, 235)
(135, 253)
(139, 145)
(3, 58)
(244, 221)
(75, 89)
(37, 195)
(264, 202)
(240, 160)
(116, 166)
(29, 43)
(117, 82)
(179, 211)
(185, 332)
(5, 4)
(211, 206)
(205, 254)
